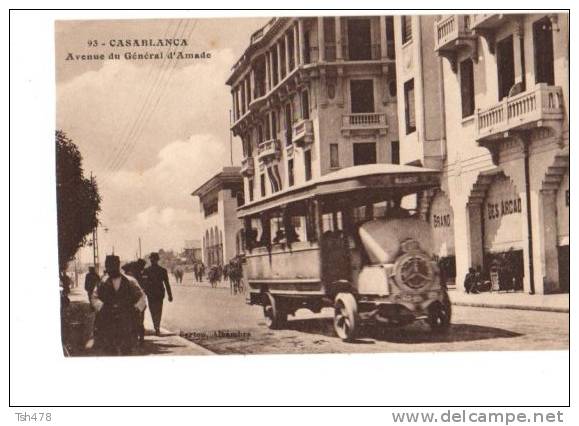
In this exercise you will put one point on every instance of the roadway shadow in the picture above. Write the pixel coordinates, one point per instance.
(417, 332)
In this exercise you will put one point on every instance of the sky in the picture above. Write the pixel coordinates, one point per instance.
(150, 131)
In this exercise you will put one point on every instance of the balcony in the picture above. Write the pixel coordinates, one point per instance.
(486, 25)
(269, 150)
(542, 107)
(247, 167)
(370, 121)
(303, 133)
(453, 34)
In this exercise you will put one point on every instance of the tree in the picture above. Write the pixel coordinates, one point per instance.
(77, 200)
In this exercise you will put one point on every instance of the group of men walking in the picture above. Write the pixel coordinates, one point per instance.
(120, 300)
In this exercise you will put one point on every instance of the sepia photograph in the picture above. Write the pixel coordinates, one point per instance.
(318, 184)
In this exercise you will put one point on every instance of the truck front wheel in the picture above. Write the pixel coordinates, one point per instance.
(346, 319)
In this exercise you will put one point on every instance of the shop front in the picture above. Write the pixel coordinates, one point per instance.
(441, 220)
(503, 242)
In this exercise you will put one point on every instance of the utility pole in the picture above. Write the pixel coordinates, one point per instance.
(140, 252)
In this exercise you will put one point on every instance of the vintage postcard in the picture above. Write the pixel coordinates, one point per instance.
(318, 184)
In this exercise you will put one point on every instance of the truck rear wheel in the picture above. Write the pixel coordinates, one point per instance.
(346, 319)
(275, 317)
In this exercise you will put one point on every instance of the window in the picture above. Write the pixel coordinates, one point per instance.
(290, 172)
(364, 153)
(288, 124)
(330, 38)
(467, 87)
(305, 105)
(250, 184)
(273, 125)
(259, 134)
(406, 24)
(334, 156)
(409, 107)
(391, 53)
(210, 208)
(274, 178)
(240, 198)
(395, 149)
(308, 163)
(359, 40)
(543, 45)
(262, 182)
(362, 96)
(505, 66)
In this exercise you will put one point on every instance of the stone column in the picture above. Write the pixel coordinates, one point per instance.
(475, 235)
(321, 41)
(247, 92)
(278, 62)
(383, 41)
(267, 76)
(302, 46)
(518, 54)
(296, 46)
(545, 255)
(252, 82)
(338, 38)
(287, 53)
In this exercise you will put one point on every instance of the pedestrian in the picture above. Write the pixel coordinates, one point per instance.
(157, 280)
(91, 280)
(470, 281)
(134, 270)
(196, 271)
(116, 299)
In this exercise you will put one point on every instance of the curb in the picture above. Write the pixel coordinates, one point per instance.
(511, 306)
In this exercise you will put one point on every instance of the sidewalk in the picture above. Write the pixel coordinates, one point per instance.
(520, 300)
(76, 330)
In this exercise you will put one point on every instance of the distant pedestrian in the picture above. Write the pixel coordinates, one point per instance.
(91, 280)
(156, 281)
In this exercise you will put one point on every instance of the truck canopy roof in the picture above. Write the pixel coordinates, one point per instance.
(370, 180)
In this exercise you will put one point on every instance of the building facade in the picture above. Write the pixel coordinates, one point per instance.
(313, 95)
(493, 89)
(482, 98)
(219, 198)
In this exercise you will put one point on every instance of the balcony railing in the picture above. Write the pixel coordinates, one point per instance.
(449, 31)
(247, 166)
(451, 34)
(364, 121)
(523, 111)
(303, 132)
(268, 150)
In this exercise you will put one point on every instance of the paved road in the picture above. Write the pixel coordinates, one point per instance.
(223, 323)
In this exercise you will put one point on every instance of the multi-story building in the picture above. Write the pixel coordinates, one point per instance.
(421, 115)
(505, 169)
(219, 198)
(312, 95)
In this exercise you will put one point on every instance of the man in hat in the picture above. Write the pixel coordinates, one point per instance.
(134, 271)
(116, 300)
(91, 280)
(157, 280)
